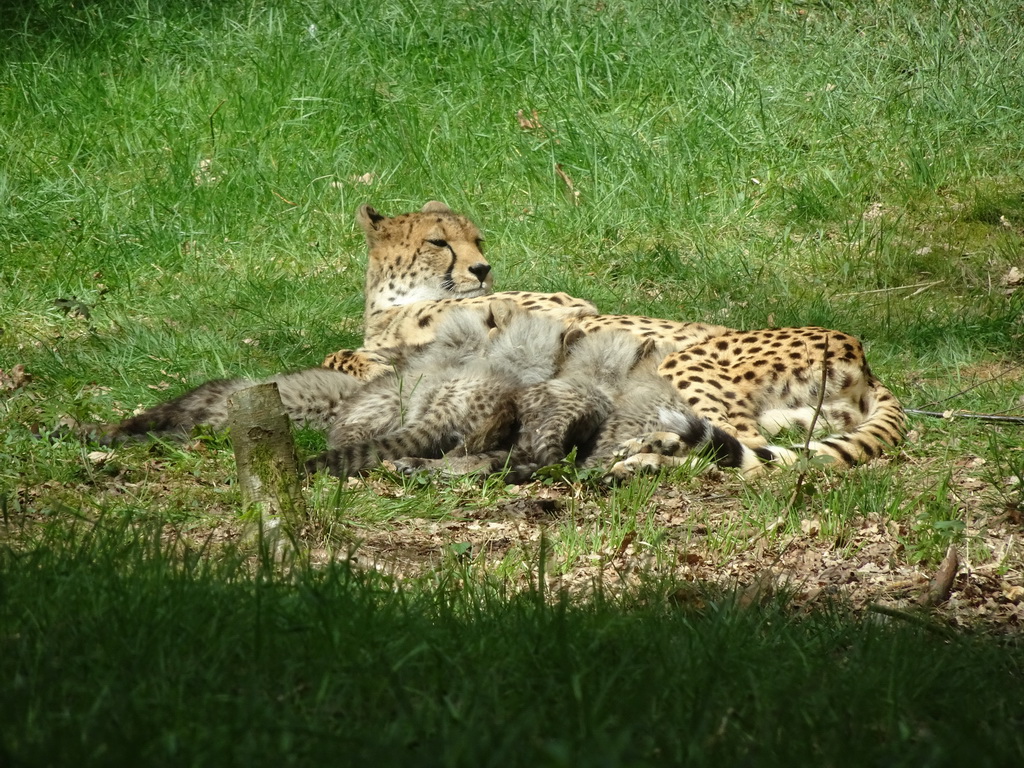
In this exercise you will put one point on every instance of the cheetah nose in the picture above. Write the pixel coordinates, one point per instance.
(480, 271)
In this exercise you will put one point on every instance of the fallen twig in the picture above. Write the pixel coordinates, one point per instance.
(920, 287)
(911, 618)
(982, 383)
(938, 592)
(959, 415)
(801, 478)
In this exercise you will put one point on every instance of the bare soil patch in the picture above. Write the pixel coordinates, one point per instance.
(701, 531)
(702, 538)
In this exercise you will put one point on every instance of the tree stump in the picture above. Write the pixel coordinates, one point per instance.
(268, 470)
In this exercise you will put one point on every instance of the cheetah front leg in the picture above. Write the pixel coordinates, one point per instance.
(362, 363)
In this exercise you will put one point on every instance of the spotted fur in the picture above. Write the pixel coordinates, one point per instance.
(756, 383)
(748, 384)
(608, 392)
(421, 266)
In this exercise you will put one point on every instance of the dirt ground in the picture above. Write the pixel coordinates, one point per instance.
(864, 566)
(868, 569)
(703, 536)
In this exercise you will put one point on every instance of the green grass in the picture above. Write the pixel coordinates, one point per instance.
(177, 187)
(149, 651)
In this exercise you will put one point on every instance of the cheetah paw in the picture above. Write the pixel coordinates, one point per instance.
(661, 443)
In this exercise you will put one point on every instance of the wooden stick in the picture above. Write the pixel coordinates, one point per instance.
(981, 383)
(268, 470)
(977, 416)
(920, 287)
(917, 619)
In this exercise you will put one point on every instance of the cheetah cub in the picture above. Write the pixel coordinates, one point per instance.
(608, 393)
(452, 400)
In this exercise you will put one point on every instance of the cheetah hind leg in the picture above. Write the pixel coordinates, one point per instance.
(685, 439)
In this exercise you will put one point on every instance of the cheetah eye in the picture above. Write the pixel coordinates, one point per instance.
(439, 243)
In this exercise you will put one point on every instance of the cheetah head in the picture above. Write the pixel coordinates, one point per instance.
(431, 254)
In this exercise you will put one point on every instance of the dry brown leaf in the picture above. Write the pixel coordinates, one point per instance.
(1012, 280)
(810, 527)
(530, 123)
(568, 183)
(1014, 593)
(16, 378)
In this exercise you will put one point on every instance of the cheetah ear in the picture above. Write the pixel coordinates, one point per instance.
(500, 314)
(571, 337)
(647, 348)
(369, 219)
(435, 207)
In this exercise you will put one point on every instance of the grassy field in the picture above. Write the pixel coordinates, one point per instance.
(148, 652)
(177, 187)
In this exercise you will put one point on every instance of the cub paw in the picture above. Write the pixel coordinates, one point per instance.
(661, 443)
(412, 465)
(624, 470)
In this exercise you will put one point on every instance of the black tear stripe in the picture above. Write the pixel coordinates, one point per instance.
(448, 283)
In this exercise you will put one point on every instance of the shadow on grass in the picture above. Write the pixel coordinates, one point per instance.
(117, 645)
(88, 21)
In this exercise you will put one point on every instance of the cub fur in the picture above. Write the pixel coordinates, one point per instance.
(311, 397)
(455, 397)
(606, 392)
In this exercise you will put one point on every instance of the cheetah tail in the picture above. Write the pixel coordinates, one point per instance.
(722, 448)
(884, 427)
